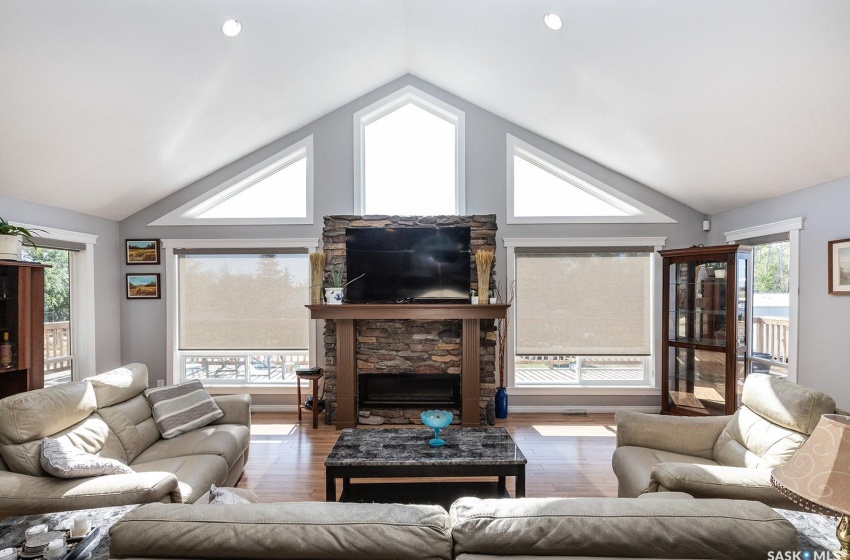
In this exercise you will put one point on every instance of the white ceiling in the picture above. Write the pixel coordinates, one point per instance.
(106, 107)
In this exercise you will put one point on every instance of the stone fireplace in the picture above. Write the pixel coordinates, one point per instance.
(393, 347)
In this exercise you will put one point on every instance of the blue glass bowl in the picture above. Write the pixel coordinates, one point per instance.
(436, 420)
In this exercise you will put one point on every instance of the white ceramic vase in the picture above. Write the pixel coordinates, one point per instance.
(333, 296)
(10, 247)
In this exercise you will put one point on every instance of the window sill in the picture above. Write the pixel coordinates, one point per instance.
(542, 390)
(258, 389)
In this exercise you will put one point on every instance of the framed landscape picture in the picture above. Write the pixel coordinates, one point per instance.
(142, 251)
(143, 286)
(839, 267)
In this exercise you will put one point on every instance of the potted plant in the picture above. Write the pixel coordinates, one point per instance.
(335, 285)
(11, 239)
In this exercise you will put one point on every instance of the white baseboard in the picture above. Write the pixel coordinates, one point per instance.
(531, 409)
(276, 408)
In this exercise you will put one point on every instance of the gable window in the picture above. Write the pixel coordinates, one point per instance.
(409, 156)
(238, 316)
(542, 189)
(278, 190)
(582, 315)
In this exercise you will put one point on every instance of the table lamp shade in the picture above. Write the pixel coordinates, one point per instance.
(819, 472)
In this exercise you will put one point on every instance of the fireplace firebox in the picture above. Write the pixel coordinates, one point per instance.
(388, 390)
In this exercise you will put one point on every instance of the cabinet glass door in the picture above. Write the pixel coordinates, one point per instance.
(697, 380)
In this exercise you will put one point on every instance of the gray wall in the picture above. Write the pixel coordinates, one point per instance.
(824, 352)
(108, 283)
(334, 194)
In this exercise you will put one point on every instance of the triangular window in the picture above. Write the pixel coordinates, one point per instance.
(542, 189)
(409, 156)
(276, 191)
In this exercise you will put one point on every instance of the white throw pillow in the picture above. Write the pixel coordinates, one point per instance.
(62, 459)
(178, 409)
(224, 496)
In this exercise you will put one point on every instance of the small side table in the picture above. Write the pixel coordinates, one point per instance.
(313, 376)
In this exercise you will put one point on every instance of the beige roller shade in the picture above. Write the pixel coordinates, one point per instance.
(583, 303)
(232, 301)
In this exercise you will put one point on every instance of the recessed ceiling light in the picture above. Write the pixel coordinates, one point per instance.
(553, 22)
(231, 28)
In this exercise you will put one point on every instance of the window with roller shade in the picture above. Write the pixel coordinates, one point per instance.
(582, 318)
(241, 314)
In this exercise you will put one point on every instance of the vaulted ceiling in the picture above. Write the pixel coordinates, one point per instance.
(106, 107)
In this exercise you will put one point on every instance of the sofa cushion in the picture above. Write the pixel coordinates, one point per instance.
(315, 530)
(64, 460)
(619, 528)
(750, 440)
(133, 424)
(792, 406)
(194, 473)
(229, 441)
(119, 385)
(91, 435)
(182, 408)
(36, 414)
(632, 465)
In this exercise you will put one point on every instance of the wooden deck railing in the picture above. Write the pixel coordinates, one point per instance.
(57, 346)
(770, 336)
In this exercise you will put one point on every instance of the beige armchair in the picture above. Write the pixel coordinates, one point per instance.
(719, 456)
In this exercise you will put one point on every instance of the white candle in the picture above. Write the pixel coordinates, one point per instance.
(8, 554)
(81, 526)
(36, 530)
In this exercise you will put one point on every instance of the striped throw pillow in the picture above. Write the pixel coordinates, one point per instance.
(182, 408)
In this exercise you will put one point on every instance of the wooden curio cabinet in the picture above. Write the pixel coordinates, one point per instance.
(705, 329)
(22, 317)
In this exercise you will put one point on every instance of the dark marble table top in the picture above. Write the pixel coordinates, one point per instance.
(815, 532)
(12, 529)
(409, 446)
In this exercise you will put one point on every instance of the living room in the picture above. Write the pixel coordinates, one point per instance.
(671, 112)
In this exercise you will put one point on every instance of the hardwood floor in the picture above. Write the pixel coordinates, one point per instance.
(568, 456)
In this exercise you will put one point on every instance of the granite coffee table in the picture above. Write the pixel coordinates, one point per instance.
(370, 453)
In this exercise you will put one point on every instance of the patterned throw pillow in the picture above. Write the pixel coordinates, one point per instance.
(182, 408)
(224, 496)
(62, 459)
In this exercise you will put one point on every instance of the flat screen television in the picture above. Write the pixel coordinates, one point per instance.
(427, 265)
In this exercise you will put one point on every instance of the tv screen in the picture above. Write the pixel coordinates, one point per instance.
(407, 264)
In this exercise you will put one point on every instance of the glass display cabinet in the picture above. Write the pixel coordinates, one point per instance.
(704, 329)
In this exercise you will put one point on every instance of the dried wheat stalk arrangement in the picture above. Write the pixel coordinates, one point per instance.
(483, 261)
(317, 272)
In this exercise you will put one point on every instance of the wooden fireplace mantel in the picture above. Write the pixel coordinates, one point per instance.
(346, 347)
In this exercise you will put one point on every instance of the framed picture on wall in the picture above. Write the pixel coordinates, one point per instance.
(142, 251)
(839, 267)
(143, 286)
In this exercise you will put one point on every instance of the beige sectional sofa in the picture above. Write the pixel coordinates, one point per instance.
(108, 415)
(677, 527)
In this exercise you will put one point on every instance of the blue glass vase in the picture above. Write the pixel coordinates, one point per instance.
(501, 402)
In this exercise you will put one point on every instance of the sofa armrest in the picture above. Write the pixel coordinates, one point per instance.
(236, 408)
(715, 481)
(677, 434)
(22, 494)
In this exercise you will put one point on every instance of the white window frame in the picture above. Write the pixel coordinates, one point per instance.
(81, 264)
(639, 212)
(390, 103)
(652, 387)
(171, 300)
(188, 214)
(792, 227)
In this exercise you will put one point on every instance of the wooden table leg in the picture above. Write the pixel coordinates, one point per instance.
(298, 384)
(330, 488)
(520, 482)
(502, 486)
(315, 384)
